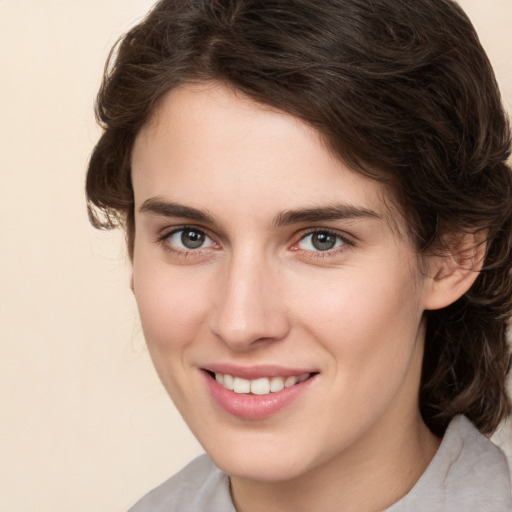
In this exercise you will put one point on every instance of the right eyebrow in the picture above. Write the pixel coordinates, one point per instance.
(157, 206)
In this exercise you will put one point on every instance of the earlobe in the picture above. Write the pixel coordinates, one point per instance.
(452, 274)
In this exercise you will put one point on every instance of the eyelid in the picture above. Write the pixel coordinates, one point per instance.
(347, 239)
(332, 231)
(169, 230)
(166, 233)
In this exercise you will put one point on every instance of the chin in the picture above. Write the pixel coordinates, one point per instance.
(260, 470)
(262, 460)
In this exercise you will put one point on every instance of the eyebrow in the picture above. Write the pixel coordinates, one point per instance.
(324, 213)
(157, 206)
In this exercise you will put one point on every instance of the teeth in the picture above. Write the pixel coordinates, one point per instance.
(229, 382)
(241, 385)
(276, 384)
(262, 386)
(290, 381)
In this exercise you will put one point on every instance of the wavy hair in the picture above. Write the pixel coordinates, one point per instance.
(401, 91)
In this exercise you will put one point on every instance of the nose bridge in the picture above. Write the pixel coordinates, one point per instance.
(248, 303)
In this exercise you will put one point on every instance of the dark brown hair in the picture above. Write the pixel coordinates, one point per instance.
(402, 91)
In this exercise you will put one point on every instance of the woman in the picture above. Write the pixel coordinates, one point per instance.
(318, 212)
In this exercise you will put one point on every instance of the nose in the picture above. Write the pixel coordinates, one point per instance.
(249, 308)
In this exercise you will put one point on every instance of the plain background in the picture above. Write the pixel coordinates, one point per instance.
(85, 426)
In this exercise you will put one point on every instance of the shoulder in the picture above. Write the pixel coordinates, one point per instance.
(198, 487)
(468, 473)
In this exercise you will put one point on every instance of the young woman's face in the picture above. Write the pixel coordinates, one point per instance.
(261, 261)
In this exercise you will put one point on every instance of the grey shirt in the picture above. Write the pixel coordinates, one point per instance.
(467, 474)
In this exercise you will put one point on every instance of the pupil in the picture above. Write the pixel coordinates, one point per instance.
(192, 239)
(323, 241)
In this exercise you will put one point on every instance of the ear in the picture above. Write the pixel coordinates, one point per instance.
(452, 274)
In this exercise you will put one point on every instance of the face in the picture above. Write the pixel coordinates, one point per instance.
(281, 307)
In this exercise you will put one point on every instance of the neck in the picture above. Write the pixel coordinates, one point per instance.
(366, 478)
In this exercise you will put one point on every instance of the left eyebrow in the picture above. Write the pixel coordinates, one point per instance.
(325, 213)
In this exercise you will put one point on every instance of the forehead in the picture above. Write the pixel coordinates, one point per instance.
(207, 143)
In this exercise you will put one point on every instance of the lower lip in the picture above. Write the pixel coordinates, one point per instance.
(255, 407)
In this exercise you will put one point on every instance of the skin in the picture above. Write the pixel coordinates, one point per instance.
(258, 291)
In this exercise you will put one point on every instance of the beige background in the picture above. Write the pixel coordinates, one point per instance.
(84, 424)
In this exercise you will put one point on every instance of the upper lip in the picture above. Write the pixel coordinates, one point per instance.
(256, 371)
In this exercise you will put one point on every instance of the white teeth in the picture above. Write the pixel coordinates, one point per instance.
(261, 386)
(228, 382)
(276, 384)
(290, 381)
(241, 385)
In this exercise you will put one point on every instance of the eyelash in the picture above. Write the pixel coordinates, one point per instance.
(163, 240)
(345, 239)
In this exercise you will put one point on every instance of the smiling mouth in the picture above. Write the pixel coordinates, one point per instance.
(260, 386)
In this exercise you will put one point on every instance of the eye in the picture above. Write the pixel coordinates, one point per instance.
(321, 241)
(188, 239)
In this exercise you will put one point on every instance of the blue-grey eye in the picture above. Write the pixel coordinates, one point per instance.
(192, 239)
(189, 238)
(321, 241)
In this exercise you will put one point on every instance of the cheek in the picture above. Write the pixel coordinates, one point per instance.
(369, 320)
(171, 306)
(171, 314)
(370, 331)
